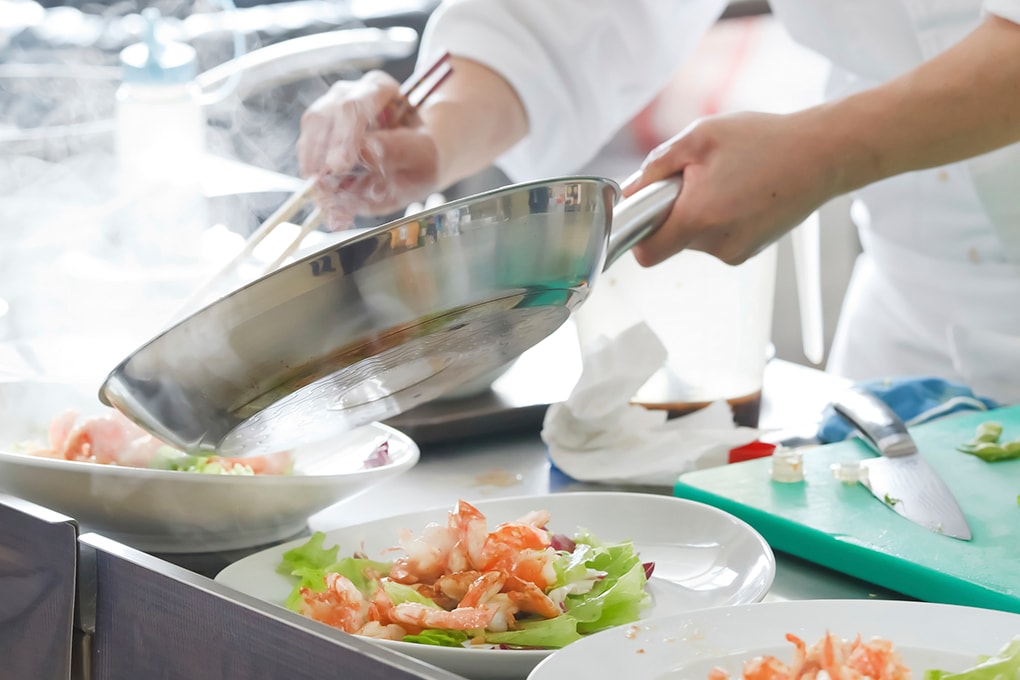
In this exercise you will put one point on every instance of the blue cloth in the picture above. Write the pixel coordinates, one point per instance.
(915, 400)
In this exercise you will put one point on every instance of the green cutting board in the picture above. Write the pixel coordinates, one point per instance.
(843, 527)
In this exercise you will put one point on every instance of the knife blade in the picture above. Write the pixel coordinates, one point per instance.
(901, 478)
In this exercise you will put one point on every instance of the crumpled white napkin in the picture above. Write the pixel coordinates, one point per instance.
(597, 435)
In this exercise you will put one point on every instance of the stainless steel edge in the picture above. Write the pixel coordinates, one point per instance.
(639, 215)
(38, 560)
(155, 619)
(878, 424)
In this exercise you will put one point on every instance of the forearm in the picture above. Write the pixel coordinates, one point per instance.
(962, 103)
(474, 117)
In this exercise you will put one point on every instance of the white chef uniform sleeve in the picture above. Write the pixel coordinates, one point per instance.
(1007, 9)
(582, 68)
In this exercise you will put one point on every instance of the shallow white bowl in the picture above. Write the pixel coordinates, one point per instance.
(176, 512)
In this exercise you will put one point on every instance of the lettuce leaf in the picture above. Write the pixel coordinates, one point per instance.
(399, 593)
(440, 638)
(310, 554)
(617, 598)
(311, 562)
(167, 458)
(610, 603)
(1004, 665)
(548, 633)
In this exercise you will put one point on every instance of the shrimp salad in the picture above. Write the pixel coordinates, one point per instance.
(113, 439)
(516, 586)
(833, 658)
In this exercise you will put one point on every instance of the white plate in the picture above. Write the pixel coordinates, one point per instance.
(703, 557)
(687, 646)
(173, 512)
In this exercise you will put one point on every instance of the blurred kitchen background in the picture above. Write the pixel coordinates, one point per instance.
(63, 220)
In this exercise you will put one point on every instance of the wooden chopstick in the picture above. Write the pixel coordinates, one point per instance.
(396, 111)
(307, 226)
(285, 212)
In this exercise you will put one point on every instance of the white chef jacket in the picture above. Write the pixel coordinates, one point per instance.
(937, 289)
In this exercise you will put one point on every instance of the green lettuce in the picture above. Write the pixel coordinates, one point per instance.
(617, 598)
(1004, 665)
(311, 562)
(167, 458)
(439, 638)
(399, 593)
(547, 633)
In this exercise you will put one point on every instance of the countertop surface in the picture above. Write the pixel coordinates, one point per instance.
(511, 464)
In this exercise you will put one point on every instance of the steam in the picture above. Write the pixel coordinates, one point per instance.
(87, 271)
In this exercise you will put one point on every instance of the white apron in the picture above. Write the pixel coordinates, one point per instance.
(937, 290)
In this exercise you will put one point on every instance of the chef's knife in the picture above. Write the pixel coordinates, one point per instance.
(900, 478)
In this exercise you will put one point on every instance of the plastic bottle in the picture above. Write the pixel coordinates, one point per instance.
(160, 144)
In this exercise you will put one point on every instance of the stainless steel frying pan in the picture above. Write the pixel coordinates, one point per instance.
(383, 322)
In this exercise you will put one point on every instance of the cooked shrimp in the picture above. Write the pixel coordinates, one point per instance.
(60, 427)
(515, 536)
(113, 439)
(453, 587)
(341, 605)
(482, 590)
(536, 566)
(527, 597)
(425, 557)
(799, 664)
(469, 526)
(536, 518)
(875, 659)
(374, 629)
(98, 440)
(462, 618)
(830, 657)
(522, 550)
(380, 608)
(503, 609)
(766, 668)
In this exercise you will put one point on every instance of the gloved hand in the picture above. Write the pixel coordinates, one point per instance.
(363, 169)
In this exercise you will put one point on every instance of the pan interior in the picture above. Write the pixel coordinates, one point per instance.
(440, 355)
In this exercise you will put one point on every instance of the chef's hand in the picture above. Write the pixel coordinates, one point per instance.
(362, 169)
(747, 179)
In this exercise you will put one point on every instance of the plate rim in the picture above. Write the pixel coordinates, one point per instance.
(707, 616)
(410, 459)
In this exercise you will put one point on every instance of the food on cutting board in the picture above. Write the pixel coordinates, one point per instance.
(516, 586)
(987, 444)
(787, 465)
(112, 439)
(835, 658)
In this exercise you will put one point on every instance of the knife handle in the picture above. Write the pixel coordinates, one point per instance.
(878, 424)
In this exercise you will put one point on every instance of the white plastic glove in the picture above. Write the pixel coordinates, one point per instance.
(363, 169)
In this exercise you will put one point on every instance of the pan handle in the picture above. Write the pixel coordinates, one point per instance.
(636, 217)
